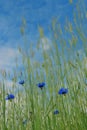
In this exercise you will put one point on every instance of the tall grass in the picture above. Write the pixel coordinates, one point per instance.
(61, 65)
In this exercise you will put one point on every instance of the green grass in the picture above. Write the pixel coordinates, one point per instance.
(37, 106)
(61, 67)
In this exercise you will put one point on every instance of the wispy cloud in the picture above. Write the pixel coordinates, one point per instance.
(46, 44)
(7, 57)
(10, 86)
(35, 12)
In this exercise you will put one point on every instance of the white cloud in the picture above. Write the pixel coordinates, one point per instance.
(46, 44)
(7, 57)
(12, 87)
(9, 83)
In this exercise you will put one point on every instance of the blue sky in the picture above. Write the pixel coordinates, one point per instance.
(36, 12)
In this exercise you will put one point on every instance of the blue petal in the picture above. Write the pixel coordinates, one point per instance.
(63, 91)
(56, 112)
(40, 85)
(21, 82)
(10, 96)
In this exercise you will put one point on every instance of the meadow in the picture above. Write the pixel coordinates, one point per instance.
(54, 95)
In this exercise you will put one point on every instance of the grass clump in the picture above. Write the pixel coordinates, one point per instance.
(54, 87)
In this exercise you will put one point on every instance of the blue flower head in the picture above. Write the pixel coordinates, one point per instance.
(56, 112)
(25, 122)
(63, 91)
(10, 97)
(41, 85)
(21, 82)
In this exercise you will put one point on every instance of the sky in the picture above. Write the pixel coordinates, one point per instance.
(36, 12)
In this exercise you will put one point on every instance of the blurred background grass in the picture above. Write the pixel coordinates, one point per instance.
(61, 64)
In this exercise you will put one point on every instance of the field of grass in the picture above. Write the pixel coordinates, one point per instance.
(62, 65)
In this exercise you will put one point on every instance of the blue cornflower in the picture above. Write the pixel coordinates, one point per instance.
(10, 97)
(21, 82)
(63, 91)
(41, 85)
(25, 122)
(56, 112)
